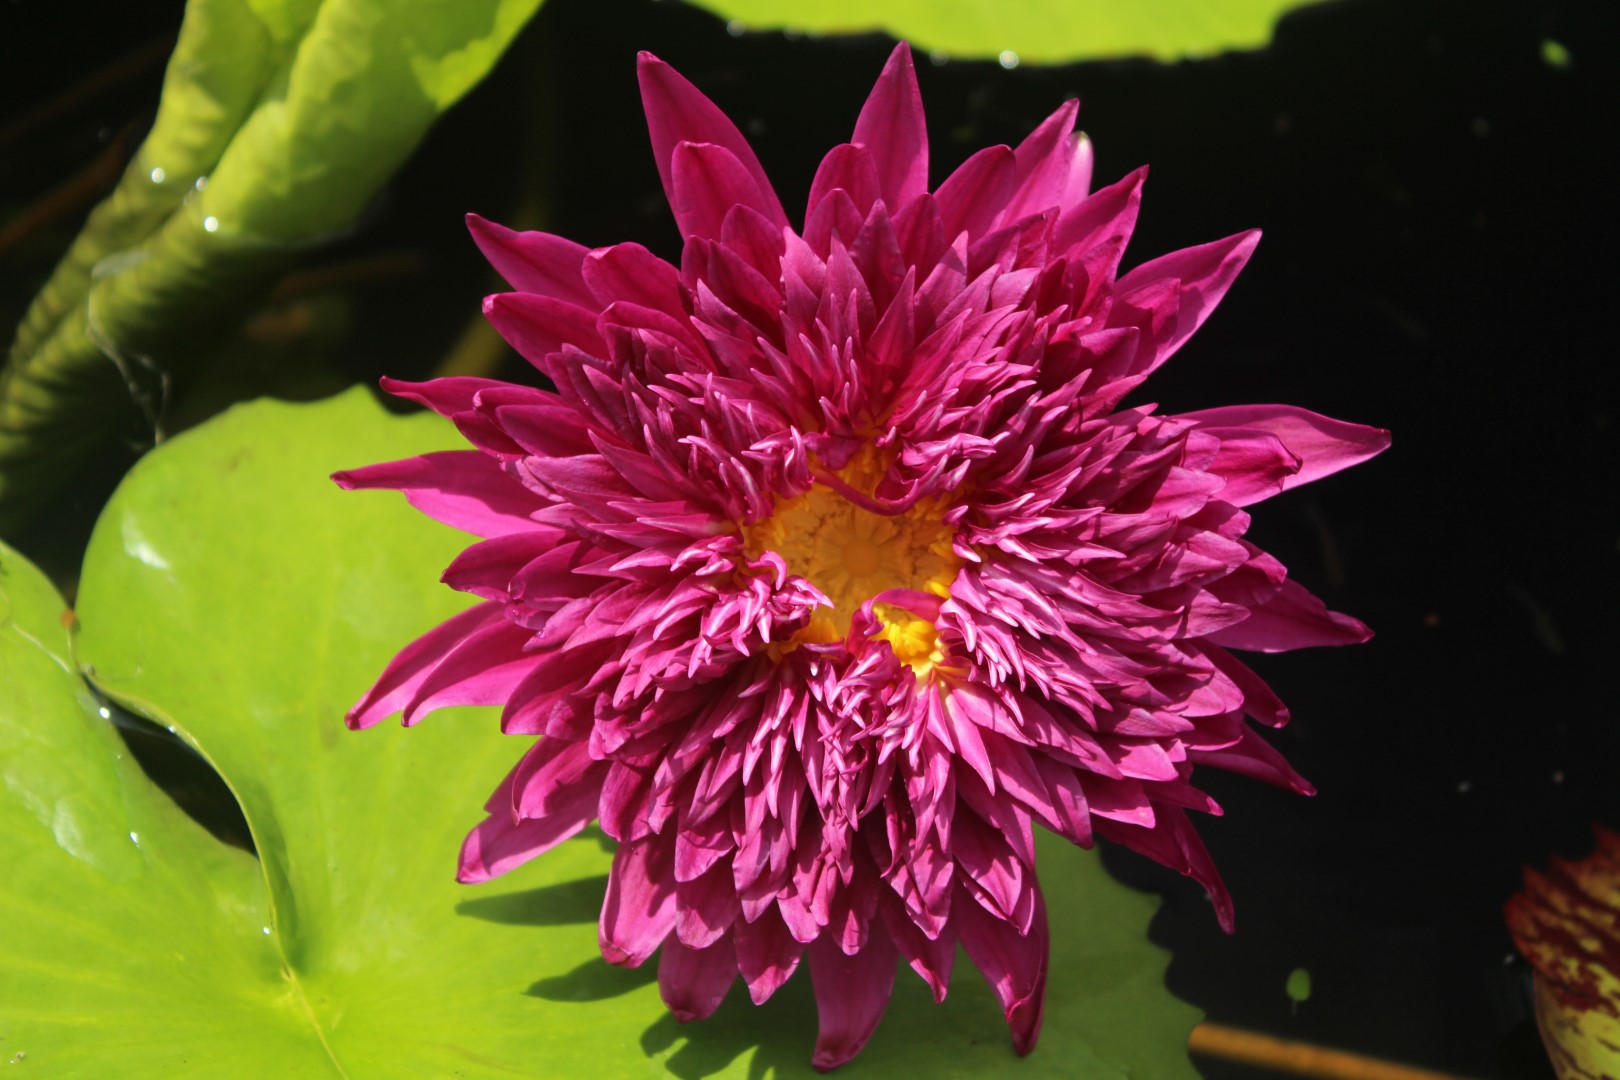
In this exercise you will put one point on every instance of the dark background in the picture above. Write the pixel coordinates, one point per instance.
(1440, 222)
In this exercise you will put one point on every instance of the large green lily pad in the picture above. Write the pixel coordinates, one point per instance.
(233, 594)
(1031, 31)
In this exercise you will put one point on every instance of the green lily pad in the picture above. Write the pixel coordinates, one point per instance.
(1032, 31)
(233, 593)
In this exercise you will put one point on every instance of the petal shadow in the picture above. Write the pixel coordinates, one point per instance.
(564, 904)
(594, 980)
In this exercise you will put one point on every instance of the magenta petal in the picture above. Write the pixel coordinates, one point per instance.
(1173, 842)
(553, 776)
(1322, 445)
(706, 181)
(481, 669)
(487, 568)
(1014, 965)
(930, 958)
(1252, 756)
(538, 326)
(631, 272)
(1180, 290)
(502, 842)
(1293, 619)
(1044, 160)
(708, 907)
(405, 674)
(852, 993)
(533, 262)
(678, 112)
(639, 910)
(1106, 216)
(693, 982)
(766, 954)
(847, 168)
(892, 129)
(448, 396)
(973, 195)
(1255, 465)
(465, 489)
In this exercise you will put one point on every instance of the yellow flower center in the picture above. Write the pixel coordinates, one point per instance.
(852, 554)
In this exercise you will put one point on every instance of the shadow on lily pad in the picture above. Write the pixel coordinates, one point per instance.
(594, 980)
(566, 903)
(779, 1034)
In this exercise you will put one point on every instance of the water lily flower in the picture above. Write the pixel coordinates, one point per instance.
(830, 564)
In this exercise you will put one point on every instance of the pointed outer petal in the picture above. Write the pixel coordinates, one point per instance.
(1259, 700)
(486, 569)
(1070, 813)
(1174, 842)
(708, 907)
(972, 196)
(503, 842)
(550, 430)
(852, 993)
(623, 806)
(677, 112)
(892, 128)
(448, 396)
(1022, 793)
(876, 251)
(1105, 217)
(755, 239)
(930, 958)
(835, 217)
(1252, 756)
(699, 847)
(967, 713)
(629, 272)
(1255, 465)
(638, 911)
(1322, 445)
(766, 954)
(1082, 156)
(537, 326)
(1043, 160)
(730, 278)
(693, 982)
(405, 673)
(1013, 965)
(465, 489)
(987, 859)
(1293, 619)
(921, 234)
(846, 168)
(1178, 291)
(708, 181)
(533, 262)
(1119, 800)
(553, 776)
(551, 699)
(481, 670)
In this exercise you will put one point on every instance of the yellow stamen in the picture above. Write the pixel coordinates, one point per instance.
(914, 640)
(852, 554)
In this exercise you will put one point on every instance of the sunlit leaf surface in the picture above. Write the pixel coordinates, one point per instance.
(1038, 31)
